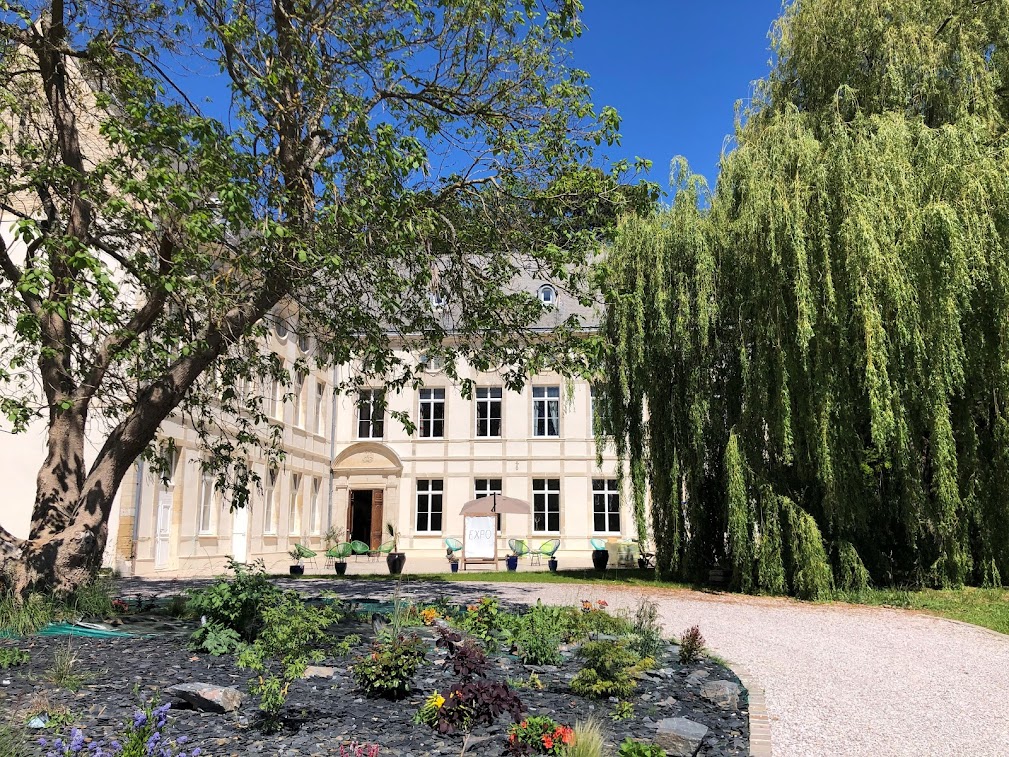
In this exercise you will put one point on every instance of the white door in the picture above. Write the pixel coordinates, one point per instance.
(240, 533)
(163, 537)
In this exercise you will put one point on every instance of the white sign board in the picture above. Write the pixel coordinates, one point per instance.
(480, 540)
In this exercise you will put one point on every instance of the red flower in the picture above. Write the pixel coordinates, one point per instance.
(603, 603)
(548, 741)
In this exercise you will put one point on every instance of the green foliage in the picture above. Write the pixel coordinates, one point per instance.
(65, 670)
(23, 617)
(589, 740)
(292, 635)
(15, 740)
(622, 710)
(483, 621)
(233, 607)
(646, 636)
(631, 748)
(691, 645)
(829, 321)
(536, 634)
(609, 669)
(388, 670)
(12, 657)
(850, 574)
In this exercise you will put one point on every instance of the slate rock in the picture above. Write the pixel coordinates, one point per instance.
(319, 671)
(696, 677)
(723, 693)
(207, 697)
(680, 737)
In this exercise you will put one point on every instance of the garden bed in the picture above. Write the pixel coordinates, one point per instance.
(321, 714)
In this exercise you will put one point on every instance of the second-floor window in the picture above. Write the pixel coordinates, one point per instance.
(488, 411)
(429, 505)
(298, 390)
(208, 499)
(320, 408)
(371, 414)
(294, 505)
(432, 413)
(546, 411)
(314, 525)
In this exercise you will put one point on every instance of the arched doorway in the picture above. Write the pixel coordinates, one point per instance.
(367, 488)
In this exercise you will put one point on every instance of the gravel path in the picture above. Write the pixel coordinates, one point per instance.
(838, 679)
(846, 680)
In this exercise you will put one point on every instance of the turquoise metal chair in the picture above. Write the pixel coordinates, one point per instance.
(383, 549)
(452, 546)
(547, 549)
(359, 548)
(304, 553)
(518, 547)
(598, 544)
(340, 552)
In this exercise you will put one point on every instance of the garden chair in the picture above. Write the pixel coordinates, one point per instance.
(452, 546)
(359, 548)
(547, 549)
(518, 547)
(340, 552)
(304, 553)
(598, 544)
(383, 549)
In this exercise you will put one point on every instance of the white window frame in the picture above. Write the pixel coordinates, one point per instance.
(430, 399)
(606, 492)
(304, 343)
(547, 294)
(270, 503)
(482, 487)
(486, 399)
(320, 408)
(370, 403)
(314, 513)
(208, 500)
(281, 330)
(545, 399)
(298, 390)
(293, 506)
(428, 489)
(543, 489)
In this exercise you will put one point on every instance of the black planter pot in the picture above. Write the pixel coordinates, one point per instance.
(600, 557)
(297, 570)
(552, 565)
(641, 563)
(395, 561)
(454, 566)
(341, 568)
(512, 561)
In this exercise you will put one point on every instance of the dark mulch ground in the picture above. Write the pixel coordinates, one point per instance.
(325, 713)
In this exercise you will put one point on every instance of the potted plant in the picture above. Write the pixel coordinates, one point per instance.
(512, 561)
(298, 569)
(552, 564)
(453, 561)
(600, 558)
(333, 537)
(395, 559)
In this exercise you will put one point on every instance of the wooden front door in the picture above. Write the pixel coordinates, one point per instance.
(377, 520)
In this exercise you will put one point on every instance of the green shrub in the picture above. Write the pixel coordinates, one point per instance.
(631, 748)
(92, 600)
(237, 603)
(483, 621)
(851, 574)
(609, 669)
(388, 670)
(25, 617)
(537, 633)
(646, 636)
(622, 710)
(292, 635)
(11, 657)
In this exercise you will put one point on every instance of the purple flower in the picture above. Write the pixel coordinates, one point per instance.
(76, 740)
(140, 719)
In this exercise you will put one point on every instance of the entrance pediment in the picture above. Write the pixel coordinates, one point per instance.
(367, 457)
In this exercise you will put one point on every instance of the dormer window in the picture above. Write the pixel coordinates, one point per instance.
(304, 342)
(547, 294)
(281, 329)
(437, 300)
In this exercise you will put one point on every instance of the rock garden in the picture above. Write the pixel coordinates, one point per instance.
(244, 667)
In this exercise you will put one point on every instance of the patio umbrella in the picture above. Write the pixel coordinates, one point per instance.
(495, 503)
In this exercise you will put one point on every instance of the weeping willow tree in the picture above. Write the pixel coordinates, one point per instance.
(812, 362)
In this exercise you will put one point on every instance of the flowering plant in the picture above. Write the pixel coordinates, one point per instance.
(359, 750)
(143, 737)
(539, 735)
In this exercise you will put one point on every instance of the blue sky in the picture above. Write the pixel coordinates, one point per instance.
(674, 71)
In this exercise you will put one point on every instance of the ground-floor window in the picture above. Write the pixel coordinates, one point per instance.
(269, 503)
(605, 506)
(484, 487)
(294, 509)
(547, 505)
(207, 498)
(429, 505)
